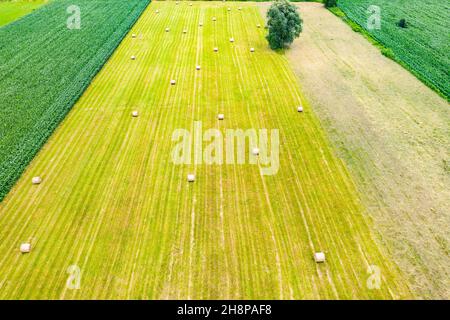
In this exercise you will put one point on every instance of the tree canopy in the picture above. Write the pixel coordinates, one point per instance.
(284, 24)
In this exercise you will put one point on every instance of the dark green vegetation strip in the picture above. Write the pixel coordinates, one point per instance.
(252, 0)
(45, 67)
(422, 47)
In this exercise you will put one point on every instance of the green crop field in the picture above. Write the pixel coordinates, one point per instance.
(113, 204)
(13, 10)
(423, 47)
(46, 67)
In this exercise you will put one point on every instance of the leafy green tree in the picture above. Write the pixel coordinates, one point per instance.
(284, 24)
(330, 3)
(402, 23)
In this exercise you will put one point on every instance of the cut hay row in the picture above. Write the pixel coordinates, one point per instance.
(112, 202)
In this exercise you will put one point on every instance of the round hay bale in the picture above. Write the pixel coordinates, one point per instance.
(240, 8)
(252, 49)
(197, 67)
(255, 151)
(229, 9)
(214, 19)
(258, 25)
(300, 109)
(177, 3)
(133, 57)
(36, 180)
(231, 39)
(190, 4)
(157, 11)
(25, 247)
(201, 24)
(319, 257)
(172, 82)
(135, 114)
(184, 31)
(216, 49)
(191, 177)
(220, 116)
(167, 29)
(133, 35)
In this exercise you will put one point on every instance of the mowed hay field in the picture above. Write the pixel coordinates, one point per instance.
(392, 132)
(13, 10)
(114, 204)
